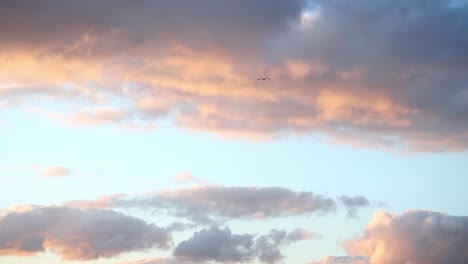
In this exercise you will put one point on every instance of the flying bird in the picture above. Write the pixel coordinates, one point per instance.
(263, 79)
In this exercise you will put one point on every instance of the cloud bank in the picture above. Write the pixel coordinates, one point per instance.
(75, 234)
(209, 204)
(387, 73)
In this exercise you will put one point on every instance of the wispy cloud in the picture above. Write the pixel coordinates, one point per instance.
(343, 260)
(55, 172)
(216, 204)
(208, 204)
(184, 178)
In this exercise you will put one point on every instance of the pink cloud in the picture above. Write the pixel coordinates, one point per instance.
(55, 172)
(188, 178)
(201, 75)
(419, 237)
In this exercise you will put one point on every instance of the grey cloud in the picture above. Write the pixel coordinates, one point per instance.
(164, 260)
(76, 234)
(268, 247)
(388, 73)
(411, 51)
(216, 203)
(352, 204)
(221, 245)
(216, 244)
(59, 23)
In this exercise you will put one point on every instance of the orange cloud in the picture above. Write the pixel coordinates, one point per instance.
(53, 172)
(350, 89)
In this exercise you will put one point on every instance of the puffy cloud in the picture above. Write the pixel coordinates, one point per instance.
(268, 247)
(217, 203)
(54, 172)
(353, 203)
(76, 234)
(223, 246)
(367, 73)
(416, 237)
(413, 237)
(216, 244)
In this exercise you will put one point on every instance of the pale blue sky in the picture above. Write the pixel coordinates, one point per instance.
(109, 159)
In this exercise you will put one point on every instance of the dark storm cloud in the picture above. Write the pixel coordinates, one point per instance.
(76, 234)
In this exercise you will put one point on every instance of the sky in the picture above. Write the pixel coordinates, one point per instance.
(137, 132)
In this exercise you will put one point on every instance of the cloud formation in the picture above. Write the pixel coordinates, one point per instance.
(417, 237)
(184, 178)
(54, 172)
(388, 73)
(353, 203)
(221, 245)
(208, 204)
(76, 234)
(165, 260)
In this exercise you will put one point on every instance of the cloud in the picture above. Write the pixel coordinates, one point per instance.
(343, 260)
(208, 204)
(164, 260)
(353, 203)
(221, 245)
(417, 237)
(54, 172)
(183, 178)
(76, 234)
(103, 202)
(367, 74)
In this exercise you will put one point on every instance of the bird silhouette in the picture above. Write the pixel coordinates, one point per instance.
(263, 79)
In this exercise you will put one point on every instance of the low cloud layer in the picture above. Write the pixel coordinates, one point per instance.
(419, 237)
(221, 245)
(76, 234)
(217, 203)
(376, 74)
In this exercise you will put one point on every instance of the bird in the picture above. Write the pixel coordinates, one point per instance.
(263, 79)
